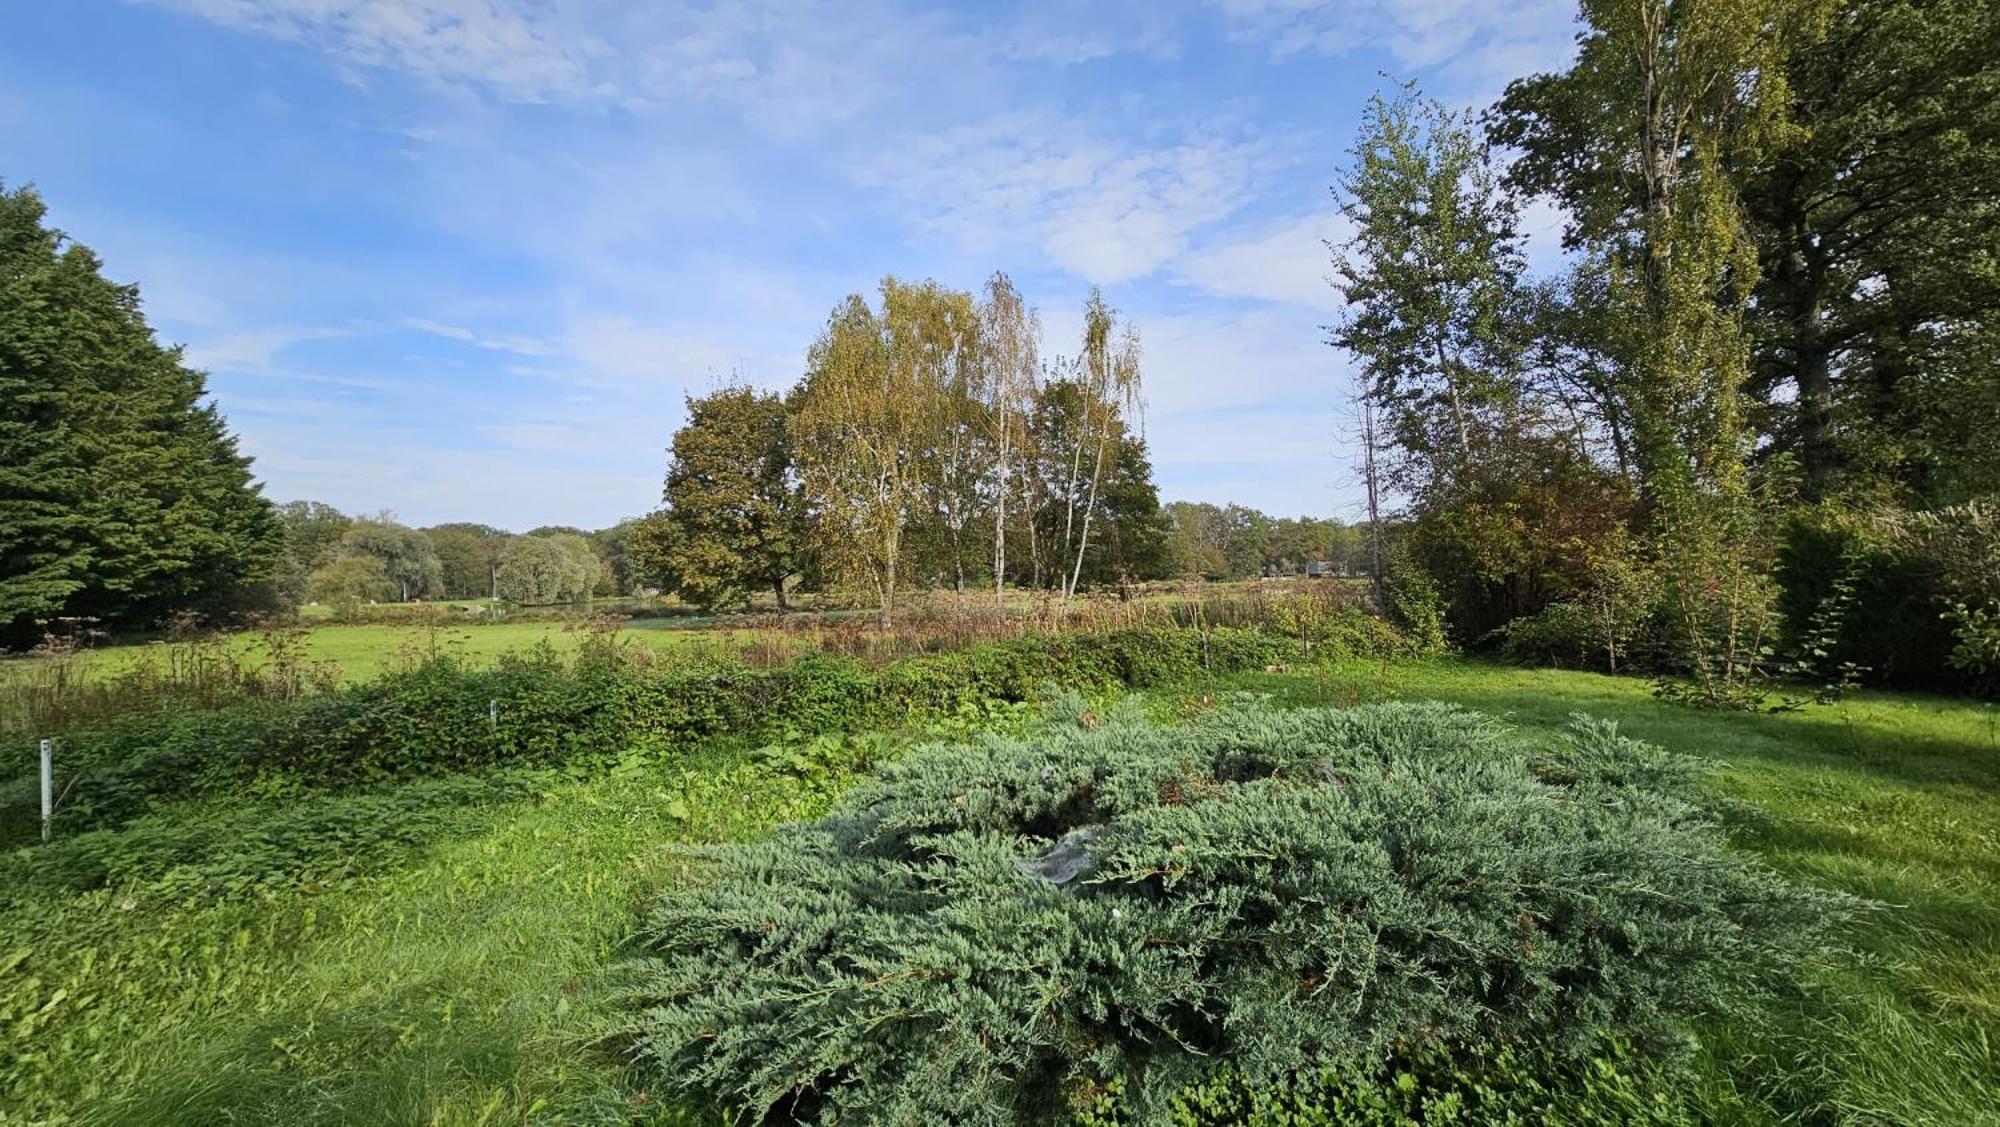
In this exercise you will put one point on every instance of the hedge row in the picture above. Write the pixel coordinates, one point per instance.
(538, 709)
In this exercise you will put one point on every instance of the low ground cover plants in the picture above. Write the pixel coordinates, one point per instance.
(542, 707)
(256, 957)
(1098, 915)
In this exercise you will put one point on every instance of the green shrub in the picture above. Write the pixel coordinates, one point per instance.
(538, 709)
(1010, 930)
(1416, 605)
(1495, 1086)
(818, 693)
(1903, 597)
(1852, 598)
(1961, 543)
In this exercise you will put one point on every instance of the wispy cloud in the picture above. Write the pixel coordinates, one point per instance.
(514, 343)
(1289, 262)
(523, 52)
(1107, 209)
(240, 351)
(1484, 39)
(1063, 34)
(785, 64)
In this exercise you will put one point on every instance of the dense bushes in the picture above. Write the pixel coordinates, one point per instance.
(1014, 929)
(538, 708)
(1908, 599)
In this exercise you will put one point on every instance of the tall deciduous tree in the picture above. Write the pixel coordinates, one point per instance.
(407, 556)
(954, 471)
(1643, 139)
(345, 582)
(735, 520)
(312, 538)
(540, 570)
(123, 496)
(1107, 380)
(468, 558)
(1429, 276)
(1875, 218)
(1010, 361)
(867, 417)
(1110, 492)
(614, 546)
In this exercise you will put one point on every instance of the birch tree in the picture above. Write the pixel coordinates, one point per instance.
(867, 429)
(1109, 377)
(852, 434)
(945, 329)
(1011, 334)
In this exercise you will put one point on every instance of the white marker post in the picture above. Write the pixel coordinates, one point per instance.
(48, 785)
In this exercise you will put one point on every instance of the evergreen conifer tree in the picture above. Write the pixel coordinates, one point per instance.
(123, 496)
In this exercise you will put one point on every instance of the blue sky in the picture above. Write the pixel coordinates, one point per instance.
(461, 259)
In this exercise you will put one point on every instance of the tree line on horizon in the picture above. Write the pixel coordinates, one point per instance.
(345, 561)
(930, 443)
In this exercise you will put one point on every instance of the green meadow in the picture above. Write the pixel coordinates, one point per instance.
(452, 977)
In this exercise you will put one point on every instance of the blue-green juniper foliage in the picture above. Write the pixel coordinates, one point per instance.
(1007, 930)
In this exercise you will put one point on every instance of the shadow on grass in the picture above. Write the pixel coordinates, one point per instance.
(1919, 740)
(1892, 797)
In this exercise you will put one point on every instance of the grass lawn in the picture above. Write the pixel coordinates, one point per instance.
(451, 983)
(1893, 797)
(362, 651)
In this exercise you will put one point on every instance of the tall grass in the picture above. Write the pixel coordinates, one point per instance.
(54, 687)
(943, 622)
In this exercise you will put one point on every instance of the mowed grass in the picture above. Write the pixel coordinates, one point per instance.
(454, 989)
(456, 986)
(1893, 797)
(361, 652)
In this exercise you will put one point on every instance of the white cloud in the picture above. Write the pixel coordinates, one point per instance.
(1209, 361)
(523, 52)
(788, 65)
(1105, 210)
(1287, 263)
(1485, 40)
(1061, 34)
(254, 349)
(611, 351)
(509, 342)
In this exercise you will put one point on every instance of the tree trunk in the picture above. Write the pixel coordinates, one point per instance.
(1457, 404)
(1374, 505)
(1000, 543)
(1804, 275)
(1083, 541)
(778, 589)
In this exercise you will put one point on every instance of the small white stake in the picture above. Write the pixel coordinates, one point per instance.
(493, 714)
(48, 785)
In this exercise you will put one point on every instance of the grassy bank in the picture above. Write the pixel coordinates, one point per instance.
(449, 979)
